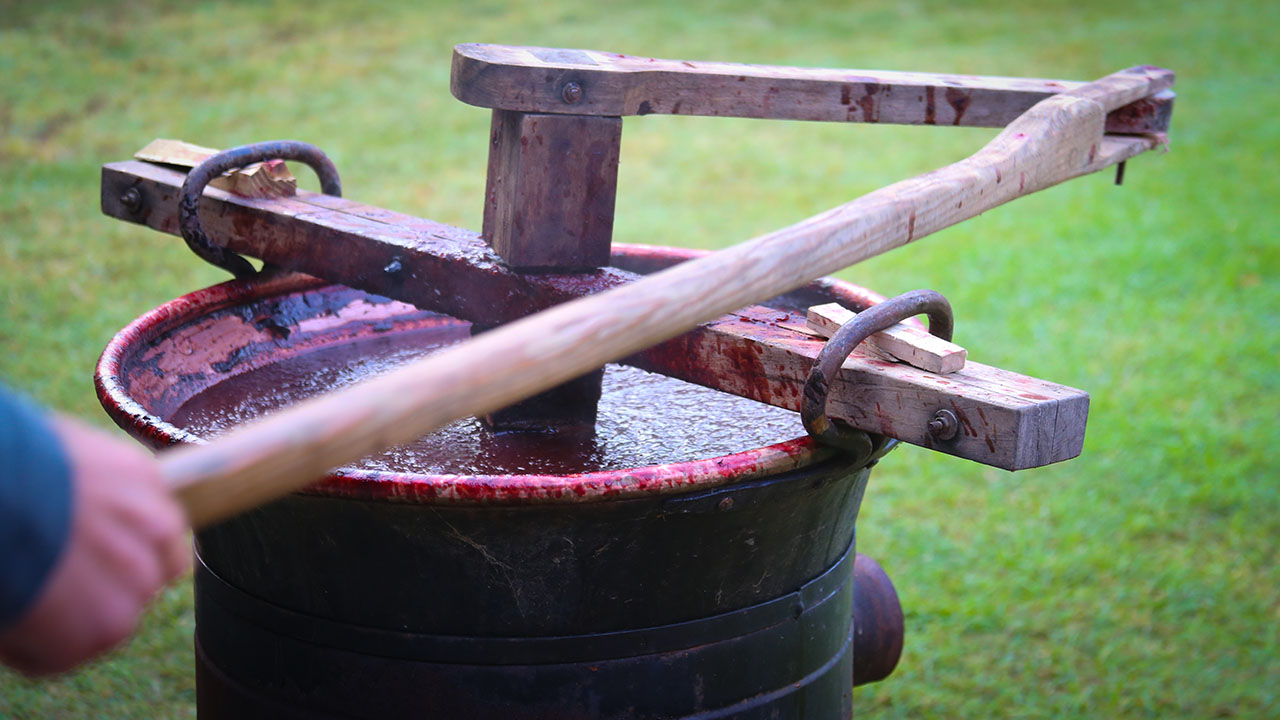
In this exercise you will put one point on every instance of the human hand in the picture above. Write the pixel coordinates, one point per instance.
(128, 539)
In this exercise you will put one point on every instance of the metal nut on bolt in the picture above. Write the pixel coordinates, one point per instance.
(571, 93)
(944, 425)
(132, 200)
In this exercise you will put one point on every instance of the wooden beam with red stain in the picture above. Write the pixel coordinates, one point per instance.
(422, 262)
(534, 80)
(1007, 420)
(550, 191)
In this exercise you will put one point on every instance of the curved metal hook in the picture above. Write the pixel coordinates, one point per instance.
(878, 317)
(215, 165)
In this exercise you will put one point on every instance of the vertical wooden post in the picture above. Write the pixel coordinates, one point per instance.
(551, 187)
(549, 203)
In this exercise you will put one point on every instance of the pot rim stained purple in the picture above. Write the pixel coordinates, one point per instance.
(152, 430)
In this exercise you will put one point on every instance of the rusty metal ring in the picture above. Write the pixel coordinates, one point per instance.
(878, 317)
(215, 165)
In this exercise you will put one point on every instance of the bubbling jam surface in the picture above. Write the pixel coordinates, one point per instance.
(644, 418)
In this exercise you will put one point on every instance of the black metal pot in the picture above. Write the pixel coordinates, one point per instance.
(719, 588)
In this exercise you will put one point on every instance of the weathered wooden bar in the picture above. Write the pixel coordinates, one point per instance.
(1009, 421)
(590, 82)
(557, 123)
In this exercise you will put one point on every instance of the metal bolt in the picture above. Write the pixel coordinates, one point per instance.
(571, 93)
(726, 504)
(132, 200)
(393, 267)
(944, 425)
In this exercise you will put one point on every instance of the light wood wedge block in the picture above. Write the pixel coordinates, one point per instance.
(902, 342)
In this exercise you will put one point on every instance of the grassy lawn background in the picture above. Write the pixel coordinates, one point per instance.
(1140, 580)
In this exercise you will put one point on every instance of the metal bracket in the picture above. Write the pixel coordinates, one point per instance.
(813, 411)
(235, 158)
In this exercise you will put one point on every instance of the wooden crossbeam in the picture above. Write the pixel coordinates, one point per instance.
(1008, 420)
(590, 82)
(419, 261)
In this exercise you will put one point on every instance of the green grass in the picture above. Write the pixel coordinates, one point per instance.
(1140, 580)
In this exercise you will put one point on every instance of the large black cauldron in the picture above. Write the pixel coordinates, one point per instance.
(718, 588)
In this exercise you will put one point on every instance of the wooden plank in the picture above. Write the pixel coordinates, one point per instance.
(533, 79)
(1007, 420)
(903, 342)
(426, 263)
(174, 152)
(265, 179)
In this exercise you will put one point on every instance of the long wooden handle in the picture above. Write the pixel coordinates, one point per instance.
(1060, 138)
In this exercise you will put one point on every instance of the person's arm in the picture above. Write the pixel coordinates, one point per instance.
(88, 534)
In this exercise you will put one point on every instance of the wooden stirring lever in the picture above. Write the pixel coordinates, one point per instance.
(1059, 138)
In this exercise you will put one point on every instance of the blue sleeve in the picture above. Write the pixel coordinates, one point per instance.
(35, 503)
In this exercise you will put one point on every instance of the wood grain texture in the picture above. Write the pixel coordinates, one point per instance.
(416, 260)
(478, 278)
(1058, 139)
(1007, 420)
(825, 320)
(549, 196)
(532, 79)
(903, 342)
(259, 180)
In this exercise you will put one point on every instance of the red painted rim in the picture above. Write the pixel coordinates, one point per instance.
(346, 482)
